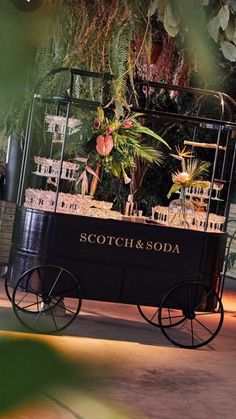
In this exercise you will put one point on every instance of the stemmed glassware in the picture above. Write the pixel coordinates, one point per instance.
(217, 186)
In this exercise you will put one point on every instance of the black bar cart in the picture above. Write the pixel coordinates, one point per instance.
(67, 248)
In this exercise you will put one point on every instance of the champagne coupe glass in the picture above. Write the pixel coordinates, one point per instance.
(217, 186)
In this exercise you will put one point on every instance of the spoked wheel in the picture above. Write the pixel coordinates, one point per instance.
(46, 299)
(150, 314)
(200, 310)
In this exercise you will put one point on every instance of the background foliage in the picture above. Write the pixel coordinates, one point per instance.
(183, 42)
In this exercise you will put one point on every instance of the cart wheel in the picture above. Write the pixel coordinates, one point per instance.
(150, 314)
(201, 310)
(46, 299)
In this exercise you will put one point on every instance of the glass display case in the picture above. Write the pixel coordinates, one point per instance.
(206, 129)
(54, 170)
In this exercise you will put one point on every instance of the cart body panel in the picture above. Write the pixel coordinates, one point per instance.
(113, 260)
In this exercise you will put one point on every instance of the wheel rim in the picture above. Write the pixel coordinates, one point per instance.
(151, 315)
(46, 299)
(201, 310)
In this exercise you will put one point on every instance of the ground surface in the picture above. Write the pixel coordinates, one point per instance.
(149, 378)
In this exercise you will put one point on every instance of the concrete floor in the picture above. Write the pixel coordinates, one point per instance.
(149, 377)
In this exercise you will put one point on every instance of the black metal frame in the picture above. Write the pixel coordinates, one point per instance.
(226, 103)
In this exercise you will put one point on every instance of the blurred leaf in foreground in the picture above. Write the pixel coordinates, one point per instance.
(31, 367)
(32, 371)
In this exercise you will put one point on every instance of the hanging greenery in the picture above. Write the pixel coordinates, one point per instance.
(158, 40)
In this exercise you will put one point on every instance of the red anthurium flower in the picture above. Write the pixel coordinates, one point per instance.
(128, 124)
(104, 145)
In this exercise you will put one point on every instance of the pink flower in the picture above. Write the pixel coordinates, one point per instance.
(127, 179)
(104, 145)
(97, 123)
(128, 124)
(108, 130)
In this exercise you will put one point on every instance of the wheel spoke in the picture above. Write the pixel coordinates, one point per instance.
(203, 325)
(64, 292)
(67, 309)
(37, 318)
(183, 324)
(22, 299)
(155, 314)
(54, 321)
(197, 338)
(192, 332)
(56, 281)
(174, 317)
(207, 295)
(37, 294)
(28, 306)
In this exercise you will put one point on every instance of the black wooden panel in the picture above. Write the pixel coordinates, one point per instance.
(114, 260)
(147, 287)
(164, 248)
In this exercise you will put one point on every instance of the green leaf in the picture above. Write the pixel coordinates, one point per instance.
(135, 116)
(213, 27)
(201, 184)
(171, 30)
(233, 5)
(116, 169)
(224, 16)
(171, 16)
(161, 5)
(144, 130)
(230, 31)
(101, 114)
(152, 8)
(30, 367)
(171, 20)
(119, 111)
(174, 188)
(228, 50)
(149, 154)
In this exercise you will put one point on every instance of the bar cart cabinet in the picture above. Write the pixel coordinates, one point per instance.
(173, 275)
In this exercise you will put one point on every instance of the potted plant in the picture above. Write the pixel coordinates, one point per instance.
(181, 210)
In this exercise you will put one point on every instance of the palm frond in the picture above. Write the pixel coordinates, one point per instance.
(196, 168)
(145, 130)
(149, 154)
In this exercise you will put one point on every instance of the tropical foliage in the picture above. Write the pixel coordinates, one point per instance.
(156, 39)
(116, 146)
(167, 41)
(191, 172)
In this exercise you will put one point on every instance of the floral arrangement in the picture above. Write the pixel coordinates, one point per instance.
(115, 145)
(191, 173)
